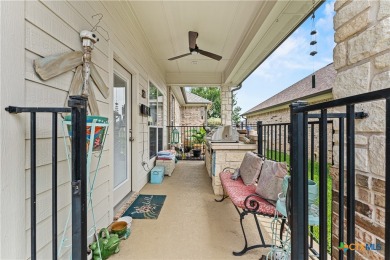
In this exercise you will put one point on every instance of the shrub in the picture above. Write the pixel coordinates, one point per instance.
(212, 121)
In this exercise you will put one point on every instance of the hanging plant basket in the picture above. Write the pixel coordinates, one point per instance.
(98, 125)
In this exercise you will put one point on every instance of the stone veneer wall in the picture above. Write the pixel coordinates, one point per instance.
(177, 113)
(226, 158)
(193, 116)
(362, 61)
(226, 105)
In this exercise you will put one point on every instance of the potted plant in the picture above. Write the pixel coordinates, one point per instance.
(198, 140)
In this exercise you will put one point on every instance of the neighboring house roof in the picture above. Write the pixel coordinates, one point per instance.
(325, 78)
(191, 98)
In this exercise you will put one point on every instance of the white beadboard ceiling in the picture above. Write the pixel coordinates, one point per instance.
(244, 33)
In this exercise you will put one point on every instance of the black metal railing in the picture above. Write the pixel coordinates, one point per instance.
(191, 143)
(273, 141)
(78, 106)
(299, 170)
(274, 144)
(245, 125)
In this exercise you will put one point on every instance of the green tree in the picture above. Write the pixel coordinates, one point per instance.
(236, 118)
(214, 95)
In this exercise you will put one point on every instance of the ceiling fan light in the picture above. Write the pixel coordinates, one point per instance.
(194, 52)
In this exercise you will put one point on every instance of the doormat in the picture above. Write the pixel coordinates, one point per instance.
(146, 207)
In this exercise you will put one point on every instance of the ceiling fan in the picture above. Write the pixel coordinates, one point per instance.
(194, 49)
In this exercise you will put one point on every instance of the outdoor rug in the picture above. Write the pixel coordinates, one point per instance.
(146, 207)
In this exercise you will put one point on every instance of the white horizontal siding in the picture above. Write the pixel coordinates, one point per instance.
(48, 33)
(52, 27)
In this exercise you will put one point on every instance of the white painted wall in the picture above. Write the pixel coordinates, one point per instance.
(34, 29)
(12, 131)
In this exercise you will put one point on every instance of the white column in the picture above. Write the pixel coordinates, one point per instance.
(226, 105)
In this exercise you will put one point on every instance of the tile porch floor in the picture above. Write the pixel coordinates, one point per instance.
(191, 224)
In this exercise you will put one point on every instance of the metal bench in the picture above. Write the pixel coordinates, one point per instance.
(246, 201)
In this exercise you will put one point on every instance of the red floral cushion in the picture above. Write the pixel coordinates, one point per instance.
(238, 192)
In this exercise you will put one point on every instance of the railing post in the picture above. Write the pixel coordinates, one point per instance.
(323, 178)
(299, 200)
(33, 184)
(387, 174)
(350, 179)
(79, 177)
(260, 137)
(341, 185)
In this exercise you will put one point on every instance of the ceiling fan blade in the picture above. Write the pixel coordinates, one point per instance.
(54, 65)
(180, 56)
(210, 55)
(192, 39)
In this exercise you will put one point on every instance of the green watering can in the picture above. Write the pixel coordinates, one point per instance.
(109, 245)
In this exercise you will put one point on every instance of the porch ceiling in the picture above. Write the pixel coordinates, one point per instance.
(244, 33)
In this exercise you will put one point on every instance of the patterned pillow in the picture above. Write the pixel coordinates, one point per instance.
(250, 168)
(271, 180)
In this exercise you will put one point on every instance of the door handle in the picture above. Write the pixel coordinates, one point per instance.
(131, 139)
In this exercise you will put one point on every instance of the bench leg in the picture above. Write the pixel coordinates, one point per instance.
(223, 196)
(222, 199)
(246, 248)
(243, 251)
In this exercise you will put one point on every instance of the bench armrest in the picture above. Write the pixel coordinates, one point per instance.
(253, 205)
(230, 168)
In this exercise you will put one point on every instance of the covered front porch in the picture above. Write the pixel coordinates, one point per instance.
(191, 225)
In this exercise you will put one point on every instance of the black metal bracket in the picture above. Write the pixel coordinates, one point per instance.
(76, 187)
(17, 110)
(358, 115)
(12, 110)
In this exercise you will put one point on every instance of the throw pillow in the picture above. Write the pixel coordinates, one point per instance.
(250, 168)
(271, 180)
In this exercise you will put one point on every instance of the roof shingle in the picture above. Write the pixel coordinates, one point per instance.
(192, 98)
(325, 78)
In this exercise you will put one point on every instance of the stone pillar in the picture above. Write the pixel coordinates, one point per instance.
(226, 105)
(362, 60)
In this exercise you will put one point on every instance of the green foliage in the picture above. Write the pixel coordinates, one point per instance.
(236, 118)
(214, 95)
(199, 136)
(214, 121)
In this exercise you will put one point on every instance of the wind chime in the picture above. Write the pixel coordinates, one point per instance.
(313, 44)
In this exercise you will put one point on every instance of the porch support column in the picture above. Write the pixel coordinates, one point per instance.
(226, 105)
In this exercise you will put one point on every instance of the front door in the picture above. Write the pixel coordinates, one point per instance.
(122, 132)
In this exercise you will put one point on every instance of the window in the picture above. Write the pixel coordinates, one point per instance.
(173, 111)
(156, 101)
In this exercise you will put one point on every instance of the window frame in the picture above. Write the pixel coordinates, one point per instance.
(159, 128)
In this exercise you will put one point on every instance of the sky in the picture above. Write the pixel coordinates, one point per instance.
(291, 62)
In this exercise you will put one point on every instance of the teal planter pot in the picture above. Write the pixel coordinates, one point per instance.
(312, 189)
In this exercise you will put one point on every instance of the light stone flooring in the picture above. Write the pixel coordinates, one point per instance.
(191, 224)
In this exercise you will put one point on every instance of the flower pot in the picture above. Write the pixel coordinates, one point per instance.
(196, 152)
(312, 189)
(119, 228)
(97, 136)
